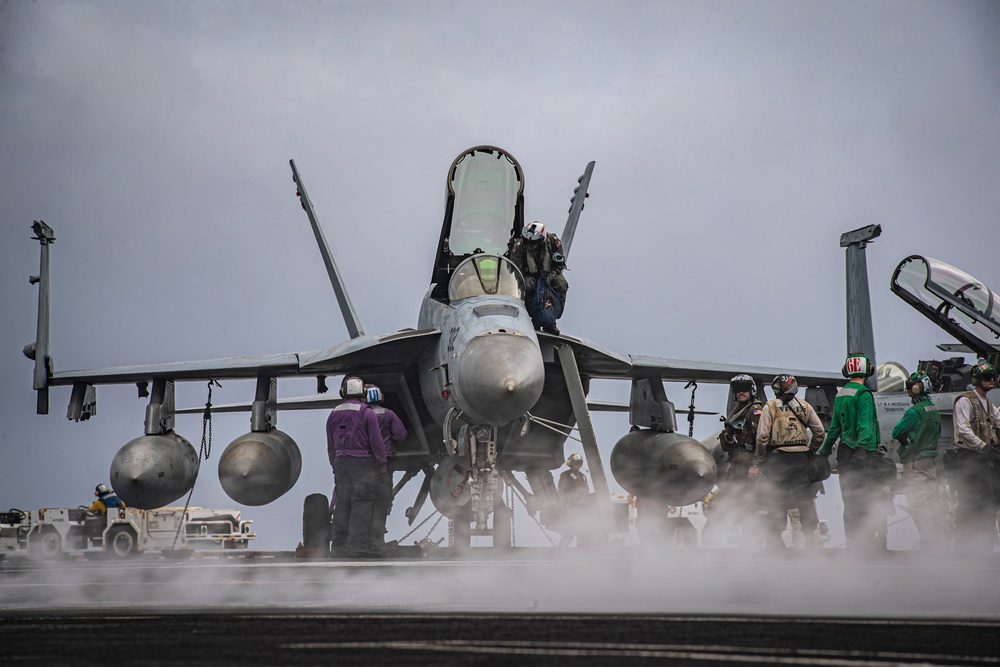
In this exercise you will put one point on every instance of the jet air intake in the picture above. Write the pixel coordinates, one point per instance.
(499, 377)
(669, 467)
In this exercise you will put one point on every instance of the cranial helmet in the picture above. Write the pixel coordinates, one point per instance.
(352, 385)
(918, 384)
(857, 365)
(533, 231)
(373, 394)
(984, 372)
(574, 458)
(101, 488)
(743, 382)
(785, 385)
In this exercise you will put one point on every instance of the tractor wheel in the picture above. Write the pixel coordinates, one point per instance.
(121, 542)
(45, 544)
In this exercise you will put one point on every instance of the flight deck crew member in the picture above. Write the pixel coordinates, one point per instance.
(855, 422)
(735, 506)
(392, 431)
(105, 498)
(357, 454)
(918, 432)
(789, 429)
(575, 496)
(96, 520)
(977, 445)
(537, 253)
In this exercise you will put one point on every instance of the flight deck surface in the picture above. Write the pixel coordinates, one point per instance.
(695, 607)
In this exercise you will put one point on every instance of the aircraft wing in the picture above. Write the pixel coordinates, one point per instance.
(365, 354)
(597, 361)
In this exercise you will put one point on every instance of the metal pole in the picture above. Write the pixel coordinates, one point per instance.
(587, 436)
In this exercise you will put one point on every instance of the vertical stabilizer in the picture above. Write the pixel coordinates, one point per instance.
(576, 203)
(346, 307)
(860, 334)
(39, 350)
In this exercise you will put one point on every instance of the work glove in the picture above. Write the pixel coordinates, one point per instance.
(858, 461)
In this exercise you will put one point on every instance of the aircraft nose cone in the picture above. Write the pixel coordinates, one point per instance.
(500, 377)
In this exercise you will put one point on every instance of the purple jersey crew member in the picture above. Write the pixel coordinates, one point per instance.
(358, 456)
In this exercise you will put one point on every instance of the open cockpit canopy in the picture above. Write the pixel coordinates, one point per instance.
(958, 303)
(483, 210)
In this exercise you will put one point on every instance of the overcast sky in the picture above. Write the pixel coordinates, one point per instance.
(734, 142)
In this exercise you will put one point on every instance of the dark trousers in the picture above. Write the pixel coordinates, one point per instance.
(380, 510)
(355, 480)
(788, 488)
(975, 517)
(865, 505)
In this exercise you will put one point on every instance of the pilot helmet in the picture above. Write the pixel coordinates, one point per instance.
(785, 385)
(918, 385)
(533, 231)
(574, 458)
(984, 372)
(743, 382)
(373, 394)
(101, 489)
(352, 385)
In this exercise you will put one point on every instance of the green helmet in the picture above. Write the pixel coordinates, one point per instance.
(857, 365)
(918, 384)
(984, 372)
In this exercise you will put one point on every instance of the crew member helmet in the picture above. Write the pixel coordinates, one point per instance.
(101, 488)
(352, 385)
(918, 384)
(533, 231)
(857, 365)
(785, 385)
(743, 382)
(373, 394)
(574, 458)
(984, 372)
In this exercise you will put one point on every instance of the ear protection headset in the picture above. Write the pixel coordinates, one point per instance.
(918, 385)
(352, 385)
(857, 365)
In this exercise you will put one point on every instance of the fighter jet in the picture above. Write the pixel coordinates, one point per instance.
(481, 392)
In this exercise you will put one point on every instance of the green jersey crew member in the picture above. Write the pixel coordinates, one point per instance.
(856, 424)
(918, 432)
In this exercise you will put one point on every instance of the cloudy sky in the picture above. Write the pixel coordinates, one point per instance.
(734, 142)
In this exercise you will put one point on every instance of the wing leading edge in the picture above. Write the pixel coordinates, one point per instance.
(365, 354)
(596, 361)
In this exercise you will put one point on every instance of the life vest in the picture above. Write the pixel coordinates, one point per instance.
(980, 421)
(788, 426)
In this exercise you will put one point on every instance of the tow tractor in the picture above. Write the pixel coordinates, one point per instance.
(121, 532)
